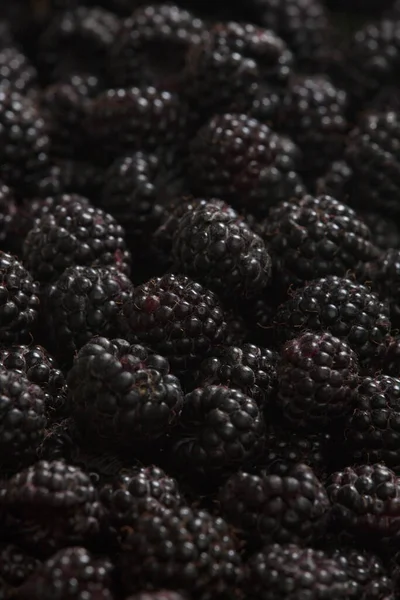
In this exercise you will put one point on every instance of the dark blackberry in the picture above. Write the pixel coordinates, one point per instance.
(201, 556)
(247, 368)
(315, 237)
(176, 317)
(374, 157)
(317, 375)
(219, 429)
(391, 360)
(385, 233)
(152, 44)
(361, 8)
(229, 61)
(384, 273)
(244, 162)
(74, 233)
(23, 140)
(219, 249)
(71, 574)
(288, 572)
(122, 393)
(77, 40)
(287, 507)
(336, 181)
(346, 309)
(50, 505)
(8, 214)
(82, 303)
(16, 71)
(160, 595)
(365, 501)
(16, 566)
(72, 177)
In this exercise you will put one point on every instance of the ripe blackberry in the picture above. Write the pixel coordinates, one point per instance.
(288, 572)
(244, 162)
(82, 303)
(16, 566)
(74, 233)
(248, 368)
(122, 393)
(201, 559)
(336, 181)
(344, 308)
(72, 177)
(176, 317)
(315, 237)
(365, 501)
(384, 273)
(385, 232)
(70, 574)
(50, 505)
(219, 429)
(152, 44)
(16, 71)
(291, 506)
(219, 249)
(317, 375)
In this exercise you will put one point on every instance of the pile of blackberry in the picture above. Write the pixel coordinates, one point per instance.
(199, 300)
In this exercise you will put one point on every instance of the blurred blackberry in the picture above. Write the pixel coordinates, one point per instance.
(160, 595)
(289, 506)
(360, 7)
(244, 162)
(384, 273)
(317, 375)
(288, 572)
(82, 303)
(24, 141)
(218, 248)
(16, 566)
(176, 317)
(391, 360)
(374, 157)
(50, 505)
(336, 181)
(74, 234)
(346, 309)
(315, 237)
(16, 71)
(385, 232)
(70, 574)
(365, 501)
(220, 429)
(8, 212)
(385, 100)
(152, 45)
(248, 368)
(121, 393)
(72, 177)
(229, 61)
(77, 40)
(202, 555)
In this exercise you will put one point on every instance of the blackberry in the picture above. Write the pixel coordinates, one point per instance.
(285, 507)
(202, 556)
(385, 276)
(244, 162)
(336, 181)
(176, 317)
(365, 501)
(16, 566)
(122, 393)
(384, 231)
(74, 233)
(152, 45)
(16, 71)
(315, 237)
(317, 375)
(50, 505)
(8, 214)
(82, 303)
(70, 574)
(391, 360)
(247, 368)
(219, 249)
(72, 177)
(287, 571)
(219, 429)
(160, 595)
(346, 309)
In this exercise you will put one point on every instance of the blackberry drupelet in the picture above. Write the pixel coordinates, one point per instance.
(384, 273)
(84, 302)
(186, 549)
(50, 505)
(289, 572)
(315, 237)
(152, 45)
(16, 71)
(71, 574)
(16, 566)
(317, 374)
(342, 307)
(74, 233)
(291, 506)
(365, 502)
(247, 368)
(220, 429)
(176, 317)
(242, 161)
(219, 249)
(19, 302)
(121, 394)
